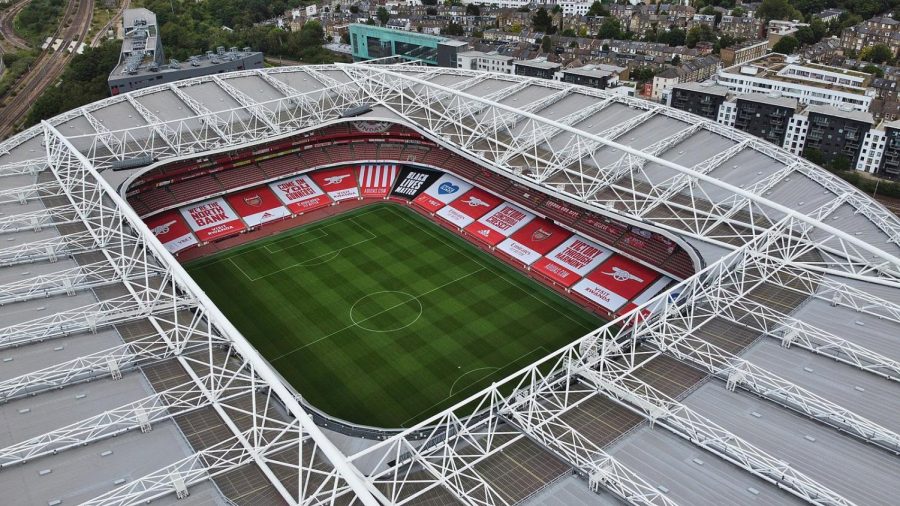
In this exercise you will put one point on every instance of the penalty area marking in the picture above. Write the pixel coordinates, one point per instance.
(395, 306)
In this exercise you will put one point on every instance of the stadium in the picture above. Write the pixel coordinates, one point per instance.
(393, 284)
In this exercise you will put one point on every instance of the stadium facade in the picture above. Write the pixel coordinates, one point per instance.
(769, 375)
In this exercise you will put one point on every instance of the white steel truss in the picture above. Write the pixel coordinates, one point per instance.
(445, 450)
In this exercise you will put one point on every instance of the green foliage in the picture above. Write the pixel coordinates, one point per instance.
(542, 22)
(786, 45)
(874, 69)
(879, 53)
(39, 19)
(610, 29)
(383, 15)
(454, 29)
(597, 9)
(702, 33)
(16, 65)
(777, 9)
(642, 74)
(83, 82)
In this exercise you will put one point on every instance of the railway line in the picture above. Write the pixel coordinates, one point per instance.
(74, 25)
(6, 26)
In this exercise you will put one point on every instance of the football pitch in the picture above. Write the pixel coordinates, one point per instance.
(380, 317)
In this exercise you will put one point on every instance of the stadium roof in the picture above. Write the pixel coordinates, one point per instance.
(793, 320)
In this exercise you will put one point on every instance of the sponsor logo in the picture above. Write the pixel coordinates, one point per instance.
(620, 274)
(540, 234)
(163, 229)
(447, 188)
(335, 179)
(254, 201)
(475, 202)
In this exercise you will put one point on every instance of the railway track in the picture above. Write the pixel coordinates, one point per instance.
(111, 23)
(7, 30)
(74, 25)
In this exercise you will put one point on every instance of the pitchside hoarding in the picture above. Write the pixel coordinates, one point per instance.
(257, 206)
(472, 205)
(572, 259)
(500, 223)
(300, 194)
(212, 219)
(533, 241)
(375, 180)
(339, 184)
(615, 282)
(443, 191)
(412, 181)
(171, 231)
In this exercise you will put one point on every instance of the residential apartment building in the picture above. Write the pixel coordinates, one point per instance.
(741, 27)
(743, 52)
(695, 70)
(809, 83)
(538, 67)
(880, 30)
(488, 62)
(830, 133)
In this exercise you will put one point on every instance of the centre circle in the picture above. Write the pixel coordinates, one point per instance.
(386, 311)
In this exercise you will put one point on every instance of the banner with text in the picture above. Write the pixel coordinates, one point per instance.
(300, 194)
(472, 205)
(412, 181)
(375, 181)
(534, 240)
(339, 184)
(171, 231)
(615, 282)
(500, 223)
(212, 219)
(443, 191)
(257, 205)
(572, 259)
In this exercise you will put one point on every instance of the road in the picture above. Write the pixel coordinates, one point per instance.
(74, 25)
(6, 26)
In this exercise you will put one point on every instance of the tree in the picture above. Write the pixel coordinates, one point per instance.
(786, 45)
(840, 163)
(454, 29)
(473, 10)
(879, 53)
(597, 9)
(546, 44)
(542, 22)
(873, 69)
(610, 29)
(382, 15)
(805, 35)
(815, 156)
(777, 9)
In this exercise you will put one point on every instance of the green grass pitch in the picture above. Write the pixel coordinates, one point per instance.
(381, 317)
